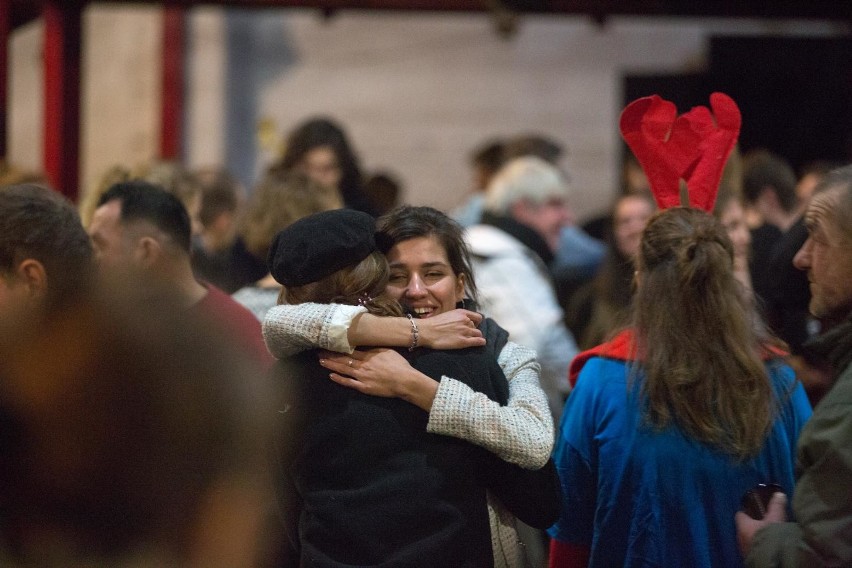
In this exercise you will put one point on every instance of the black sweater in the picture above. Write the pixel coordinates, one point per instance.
(370, 487)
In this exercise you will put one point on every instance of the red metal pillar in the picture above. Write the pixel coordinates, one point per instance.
(62, 51)
(171, 127)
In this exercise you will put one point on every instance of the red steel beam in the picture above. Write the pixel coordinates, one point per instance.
(62, 43)
(171, 131)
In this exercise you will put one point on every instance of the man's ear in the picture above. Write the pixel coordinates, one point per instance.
(147, 252)
(31, 273)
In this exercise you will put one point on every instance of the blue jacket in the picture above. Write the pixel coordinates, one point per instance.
(641, 497)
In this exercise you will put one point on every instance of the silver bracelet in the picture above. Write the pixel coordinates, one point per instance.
(415, 334)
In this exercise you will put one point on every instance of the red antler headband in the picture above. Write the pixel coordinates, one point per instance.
(690, 146)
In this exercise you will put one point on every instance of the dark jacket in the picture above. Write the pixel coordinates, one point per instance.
(822, 502)
(370, 487)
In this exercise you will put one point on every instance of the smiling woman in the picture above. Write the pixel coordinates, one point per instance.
(315, 259)
(429, 274)
(425, 243)
(422, 278)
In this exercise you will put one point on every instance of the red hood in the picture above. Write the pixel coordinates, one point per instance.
(621, 348)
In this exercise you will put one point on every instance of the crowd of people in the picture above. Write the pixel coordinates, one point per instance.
(311, 372)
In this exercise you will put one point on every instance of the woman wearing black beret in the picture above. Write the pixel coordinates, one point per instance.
(370, 484)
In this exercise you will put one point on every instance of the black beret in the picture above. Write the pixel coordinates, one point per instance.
(319, 245)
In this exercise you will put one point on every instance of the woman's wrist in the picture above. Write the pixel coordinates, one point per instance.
(426, 332)
(418, 389)
(369, 330)
(415, 333)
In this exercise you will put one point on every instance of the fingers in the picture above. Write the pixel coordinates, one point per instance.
(339, 364)
(474, 317)
(347, 382)
(472, 321)
(776, 510)
(746, 527)
(745, 524)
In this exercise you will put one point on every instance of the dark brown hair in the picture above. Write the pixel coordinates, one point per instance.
(410, 222)
(761, 169)
(323, 131)
(700, 355)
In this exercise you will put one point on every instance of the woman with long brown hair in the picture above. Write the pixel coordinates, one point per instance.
(319, 148)
(600, 307)
(673, 421)
(679, 416)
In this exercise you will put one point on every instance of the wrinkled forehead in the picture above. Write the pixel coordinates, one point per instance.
(827, 213)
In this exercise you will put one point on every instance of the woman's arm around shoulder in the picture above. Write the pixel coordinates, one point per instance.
(520, 432)
(290, 329)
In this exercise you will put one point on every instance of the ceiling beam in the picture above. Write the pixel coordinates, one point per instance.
(25, 10)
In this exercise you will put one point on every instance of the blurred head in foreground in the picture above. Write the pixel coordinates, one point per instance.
(130, 436)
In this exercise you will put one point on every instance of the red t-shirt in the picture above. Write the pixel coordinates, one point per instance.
(236, 321)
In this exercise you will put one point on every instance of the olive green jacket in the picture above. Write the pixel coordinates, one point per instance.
(822, 504)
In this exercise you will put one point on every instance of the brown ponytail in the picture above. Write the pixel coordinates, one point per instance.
(702, 369)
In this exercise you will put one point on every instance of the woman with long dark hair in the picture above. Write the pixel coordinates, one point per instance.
(320, 149)
(599, 308)
(672, 422)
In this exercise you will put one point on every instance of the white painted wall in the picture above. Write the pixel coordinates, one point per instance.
(206, 72)
(25, 97)
(122, 82)
(416, 91)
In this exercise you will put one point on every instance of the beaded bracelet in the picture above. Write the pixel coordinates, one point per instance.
(415, 334)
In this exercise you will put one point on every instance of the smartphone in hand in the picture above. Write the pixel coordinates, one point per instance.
(756, 500)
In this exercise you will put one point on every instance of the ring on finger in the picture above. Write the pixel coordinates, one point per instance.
(350, 362)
